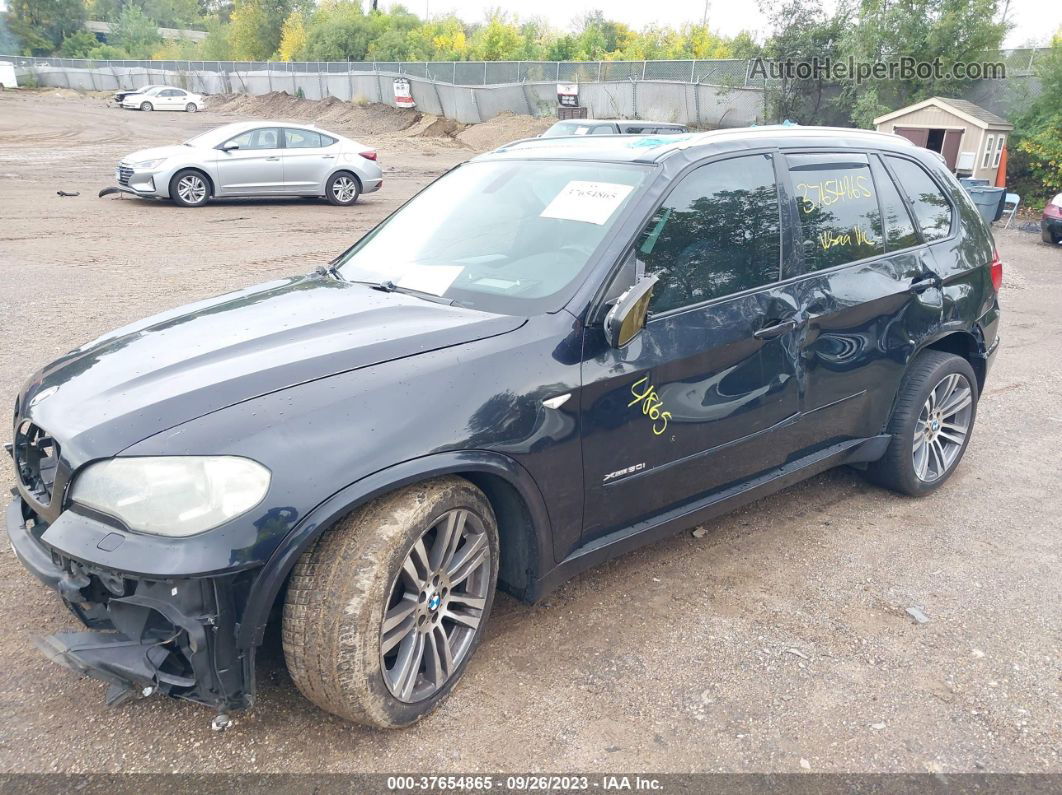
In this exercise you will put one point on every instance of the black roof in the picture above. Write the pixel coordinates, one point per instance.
(652, 148)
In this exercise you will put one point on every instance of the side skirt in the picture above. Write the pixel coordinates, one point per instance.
(668, 523)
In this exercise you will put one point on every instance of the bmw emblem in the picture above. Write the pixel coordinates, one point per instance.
(434, 602)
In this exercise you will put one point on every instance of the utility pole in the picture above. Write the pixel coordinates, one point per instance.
(704, 19)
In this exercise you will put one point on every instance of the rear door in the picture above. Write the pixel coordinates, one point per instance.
(255, 167)
(309, 157)
(870, 292)
(171, 99)
(702, 397)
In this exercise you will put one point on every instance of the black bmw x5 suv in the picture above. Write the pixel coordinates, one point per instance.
(555, 353)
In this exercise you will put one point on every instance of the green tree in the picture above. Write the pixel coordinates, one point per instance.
(886, 30)
(256, 26)
(41, 25)
(1037, 137)
(292, 37)
(498, 40)
(78, 45)
(135, 32)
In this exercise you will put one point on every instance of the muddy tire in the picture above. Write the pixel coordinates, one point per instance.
(411, 572)
(931, 425)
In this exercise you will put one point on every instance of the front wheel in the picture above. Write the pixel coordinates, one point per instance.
(385, 610)
(146, 106)
(342, 189)
(189, 188)
(930, 426)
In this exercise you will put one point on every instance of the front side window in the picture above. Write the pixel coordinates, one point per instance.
(838, 209)
(503, 236)
(263, 138)
(717, 233)
(931, 209)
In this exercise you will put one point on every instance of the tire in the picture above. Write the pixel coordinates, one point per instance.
(146, 106)
(190, 107)
(190, 188)
(356, 573)
(1047, 235)
(342, 189)
(919, 472)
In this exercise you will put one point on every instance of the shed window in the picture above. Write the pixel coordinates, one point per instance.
(999, 149)
(990, 143)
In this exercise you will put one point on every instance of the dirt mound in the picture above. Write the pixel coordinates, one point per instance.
(359, 119)
(502, 129)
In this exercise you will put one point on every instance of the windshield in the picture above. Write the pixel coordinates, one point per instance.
(505, 236)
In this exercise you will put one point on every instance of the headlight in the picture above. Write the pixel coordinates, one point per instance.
(150, 163)
(172, 495)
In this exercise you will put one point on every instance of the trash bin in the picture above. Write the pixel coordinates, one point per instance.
(989, 201)
(971, 182)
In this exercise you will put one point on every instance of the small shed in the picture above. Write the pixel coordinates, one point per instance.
(970, 138)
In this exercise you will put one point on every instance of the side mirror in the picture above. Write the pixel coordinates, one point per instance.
(228, 147)
(627, 316)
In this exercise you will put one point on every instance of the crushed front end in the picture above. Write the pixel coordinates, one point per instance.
(144, 634)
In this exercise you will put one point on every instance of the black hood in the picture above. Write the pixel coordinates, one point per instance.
(171, 368)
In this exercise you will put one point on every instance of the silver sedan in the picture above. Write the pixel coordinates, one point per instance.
(264, 158)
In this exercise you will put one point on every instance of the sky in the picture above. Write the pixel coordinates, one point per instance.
(1035, 20)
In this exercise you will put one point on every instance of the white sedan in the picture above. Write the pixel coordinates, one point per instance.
(163, 98)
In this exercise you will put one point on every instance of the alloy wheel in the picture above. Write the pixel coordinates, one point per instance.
(942, 427)
(345, 189)
(192, 189)
(435, 606)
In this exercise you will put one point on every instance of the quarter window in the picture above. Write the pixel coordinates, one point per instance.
(931, 209)
(840, 221)
(717, 233)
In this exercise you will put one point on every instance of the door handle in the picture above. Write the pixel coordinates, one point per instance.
(923, 283)
(777, 330)
(268, 159)
(328, 157)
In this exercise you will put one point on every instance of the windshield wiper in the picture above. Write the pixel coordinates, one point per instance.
(388, 286)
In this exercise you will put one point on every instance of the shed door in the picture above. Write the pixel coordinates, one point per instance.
(917, 136)
(950, 150)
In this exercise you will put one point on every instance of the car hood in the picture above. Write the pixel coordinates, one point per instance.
(161, 372)
(173, 150)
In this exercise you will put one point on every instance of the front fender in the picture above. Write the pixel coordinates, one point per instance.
(275, 572)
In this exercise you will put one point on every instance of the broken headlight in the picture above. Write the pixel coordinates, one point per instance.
(172, 495)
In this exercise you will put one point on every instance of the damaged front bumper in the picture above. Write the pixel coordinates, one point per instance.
(176, 636)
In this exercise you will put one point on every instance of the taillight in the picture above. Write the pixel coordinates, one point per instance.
(996, 270)
(1053, 211)
(369, 155)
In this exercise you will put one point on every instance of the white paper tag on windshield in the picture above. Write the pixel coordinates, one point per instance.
(592, 202)
(434, 279)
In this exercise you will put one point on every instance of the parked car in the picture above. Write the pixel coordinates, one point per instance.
(552, 355)
(260, 158)
(1051, 220)
(123, 93)
(613, 127)
(163, 98)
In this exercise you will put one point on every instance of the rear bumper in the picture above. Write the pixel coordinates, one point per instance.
(174, 636)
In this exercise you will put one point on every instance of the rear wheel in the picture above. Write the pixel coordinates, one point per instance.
(385, 610)
(931, 424)
(343, 189)
(189, 188)
(191, 107)
(146, 106)
(1047, 235)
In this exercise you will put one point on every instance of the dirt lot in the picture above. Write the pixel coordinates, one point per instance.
(777, 642)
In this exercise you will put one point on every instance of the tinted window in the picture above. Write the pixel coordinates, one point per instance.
(716, 234)
(899, 228)
(838, 209)
(932, 211)
(264, 138)
(304, 139)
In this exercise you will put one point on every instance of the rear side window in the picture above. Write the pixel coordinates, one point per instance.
(839, 217)
(717, 233)
(303, 139)
(931, 209)
(899, 228)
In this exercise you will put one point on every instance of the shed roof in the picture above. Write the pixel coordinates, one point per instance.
(962, 108)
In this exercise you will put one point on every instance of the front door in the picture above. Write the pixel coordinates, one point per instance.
(255, 167)
(702, 397)
(309, 156)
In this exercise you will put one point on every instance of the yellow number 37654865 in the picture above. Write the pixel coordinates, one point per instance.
(651, 404)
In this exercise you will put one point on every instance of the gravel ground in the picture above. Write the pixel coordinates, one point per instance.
(778, 641)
